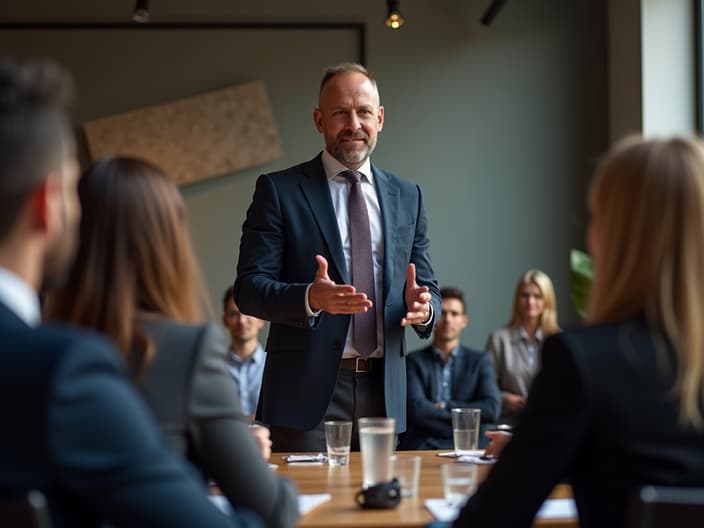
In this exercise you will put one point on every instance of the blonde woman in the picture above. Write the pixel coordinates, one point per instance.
(619, 404)
(135, 279)
(516, 347)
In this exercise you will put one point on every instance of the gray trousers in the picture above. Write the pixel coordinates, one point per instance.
(356, 395)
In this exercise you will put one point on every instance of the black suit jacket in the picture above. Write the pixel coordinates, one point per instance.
(292, 219)
(473, 385)
(601, 415)
(74, 428)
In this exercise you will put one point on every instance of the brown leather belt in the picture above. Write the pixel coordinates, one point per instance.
(359, 364)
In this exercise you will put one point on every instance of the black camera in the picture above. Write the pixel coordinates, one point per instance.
(384, 495)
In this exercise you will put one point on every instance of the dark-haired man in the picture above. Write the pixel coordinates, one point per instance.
(447, 375)
(74, 427)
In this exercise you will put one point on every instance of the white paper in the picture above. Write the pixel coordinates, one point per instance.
(473, 459)
(313, 459)
(557, 509)
(551, 509)
(441, 510)
(307, 502)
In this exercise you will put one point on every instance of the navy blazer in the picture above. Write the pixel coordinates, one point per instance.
(292, 219)
(75, 429)
(473, 385)
(601, 415)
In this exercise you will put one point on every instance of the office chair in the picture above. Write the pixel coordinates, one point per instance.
(27, 511)
(666, 507)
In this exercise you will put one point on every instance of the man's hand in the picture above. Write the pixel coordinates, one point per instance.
(417, 300)
(333, 298)
(513, 402)
(262, 436)
(499, 439)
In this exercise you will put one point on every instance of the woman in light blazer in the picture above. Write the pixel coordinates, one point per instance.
(515, 348)
(135, 279)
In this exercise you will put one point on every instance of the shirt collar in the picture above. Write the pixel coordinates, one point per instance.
(255, 358)
(332, 167)
(19, 297)
(453, 352)
(538, 334)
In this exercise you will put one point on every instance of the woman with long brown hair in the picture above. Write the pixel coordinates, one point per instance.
(135, 279)
(515, 348)
(619, 404)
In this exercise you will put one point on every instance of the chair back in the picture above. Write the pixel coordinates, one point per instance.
(667, 507)
(26, 511)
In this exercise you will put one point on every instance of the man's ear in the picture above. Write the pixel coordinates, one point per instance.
(45, 204)
(318, 119)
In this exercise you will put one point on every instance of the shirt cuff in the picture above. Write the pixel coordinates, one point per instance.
(427, 321)
(309, 310)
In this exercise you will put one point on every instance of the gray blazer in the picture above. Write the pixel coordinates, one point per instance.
(193, 398)
(514, 369)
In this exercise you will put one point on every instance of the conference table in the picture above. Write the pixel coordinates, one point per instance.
(343, 482)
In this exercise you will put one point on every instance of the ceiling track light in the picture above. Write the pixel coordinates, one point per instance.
(141, 12)
(394, 18)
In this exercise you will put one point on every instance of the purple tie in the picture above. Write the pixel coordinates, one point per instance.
(364, 323)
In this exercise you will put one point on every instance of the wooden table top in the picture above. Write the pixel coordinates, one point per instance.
(343, 482)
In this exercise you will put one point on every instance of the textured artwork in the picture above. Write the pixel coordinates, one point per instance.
(194, 138)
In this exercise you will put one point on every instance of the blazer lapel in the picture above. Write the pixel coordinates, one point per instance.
(459, 374)
(315, 188)
(388, 194)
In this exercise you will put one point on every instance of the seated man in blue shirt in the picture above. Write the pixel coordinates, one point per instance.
(447, 375)
(246, 356)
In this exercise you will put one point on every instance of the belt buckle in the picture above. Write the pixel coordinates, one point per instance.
(368, 364)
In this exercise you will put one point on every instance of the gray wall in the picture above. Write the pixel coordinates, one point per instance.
(500, 126)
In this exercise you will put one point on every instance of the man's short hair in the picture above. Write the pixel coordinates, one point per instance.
(346, 67)
(226, 297)
(450, 292)
(34, 130)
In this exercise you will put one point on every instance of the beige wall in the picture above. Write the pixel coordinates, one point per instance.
(500, 126)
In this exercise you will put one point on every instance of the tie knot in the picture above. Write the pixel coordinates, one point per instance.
(352, 176)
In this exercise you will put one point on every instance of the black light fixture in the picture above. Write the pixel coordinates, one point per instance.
(141, 12)
(394, 18)
(492, 11)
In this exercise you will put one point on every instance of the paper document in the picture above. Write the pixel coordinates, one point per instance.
(307, 502)
(557, 509)
(441, 510)
(452, 454)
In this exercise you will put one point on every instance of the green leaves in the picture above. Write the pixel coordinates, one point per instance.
(581, 275)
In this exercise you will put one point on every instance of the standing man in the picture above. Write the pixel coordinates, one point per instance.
(245, 359)
(334, 253)
(75, 429)
(447, 375)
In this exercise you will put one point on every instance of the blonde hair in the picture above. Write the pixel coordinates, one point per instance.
(647, 200)
(135, 259)
(548, 318)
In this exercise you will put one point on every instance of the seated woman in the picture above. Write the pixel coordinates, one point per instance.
(516, 347)
(135, 279)
(618, 404)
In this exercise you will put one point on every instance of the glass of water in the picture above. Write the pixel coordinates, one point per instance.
(377, 437)
(337, 438)
(459, 481)
(465, 430)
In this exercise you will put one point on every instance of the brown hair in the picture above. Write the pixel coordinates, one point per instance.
(134, 260)
(548, 319)
(346, 67)
(450, 292)
(647, 199)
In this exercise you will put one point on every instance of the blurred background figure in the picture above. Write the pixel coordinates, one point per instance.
(618, 404)
(447, 375)
(136, 280)
(246, 356)
(516, 347)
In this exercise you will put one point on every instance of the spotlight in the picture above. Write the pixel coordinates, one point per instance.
(141, 12)
(394, 19)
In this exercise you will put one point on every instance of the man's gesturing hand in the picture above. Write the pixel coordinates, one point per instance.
(417, 300)
(333, 298)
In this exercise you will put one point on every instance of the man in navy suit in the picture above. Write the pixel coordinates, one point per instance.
(73, 427)
(295, 269)
(447, 375)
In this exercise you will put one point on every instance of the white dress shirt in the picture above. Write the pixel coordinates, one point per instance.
(19, 297)
(339, 192)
